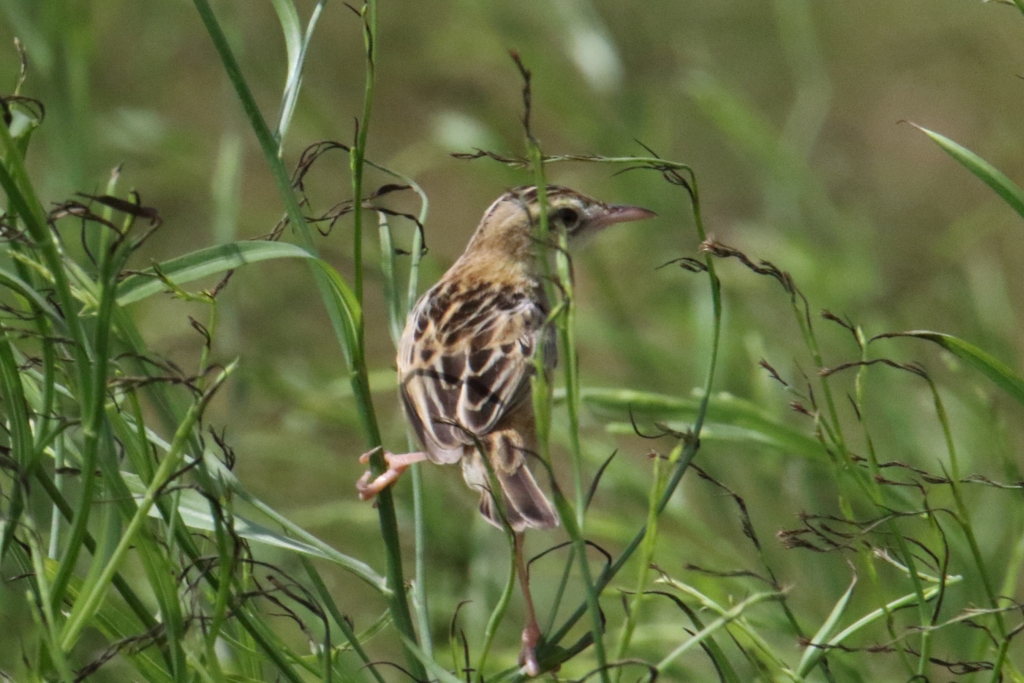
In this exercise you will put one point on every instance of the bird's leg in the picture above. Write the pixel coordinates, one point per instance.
(531, 631)
(368, 487)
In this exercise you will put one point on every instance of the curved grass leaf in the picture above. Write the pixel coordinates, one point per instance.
(433, 668)
(815, 650)
(201, 263)
(16, 284)
(880, 613)
(996, 370)
(1010, 192)
(717, 432)
(20, 429)
(726, 617)
(288, 17)
(194, 509)
(195, 513)
(729, 418)
(115, 624)
(225, 257)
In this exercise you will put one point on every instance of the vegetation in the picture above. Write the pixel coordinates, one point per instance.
(835, 501)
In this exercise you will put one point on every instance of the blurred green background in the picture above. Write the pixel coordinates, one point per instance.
(789, 111)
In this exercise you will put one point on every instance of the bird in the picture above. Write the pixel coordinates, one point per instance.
(466, 358)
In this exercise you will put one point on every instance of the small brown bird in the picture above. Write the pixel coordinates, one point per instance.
(466, 357)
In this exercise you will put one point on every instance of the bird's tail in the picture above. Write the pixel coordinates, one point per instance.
(525, 504)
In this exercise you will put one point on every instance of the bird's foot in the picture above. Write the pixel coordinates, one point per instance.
(528, 655)
(369, 486)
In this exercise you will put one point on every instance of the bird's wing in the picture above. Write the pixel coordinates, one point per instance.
(465, 361)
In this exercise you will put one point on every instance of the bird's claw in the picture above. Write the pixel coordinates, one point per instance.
(368, 486)
(365, 457)
(528, 655)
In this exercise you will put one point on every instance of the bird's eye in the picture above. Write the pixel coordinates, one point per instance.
(567, 217)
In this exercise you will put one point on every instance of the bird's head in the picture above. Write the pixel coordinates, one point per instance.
(507, 229)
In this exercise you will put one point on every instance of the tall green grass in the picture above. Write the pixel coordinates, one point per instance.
(136, 552)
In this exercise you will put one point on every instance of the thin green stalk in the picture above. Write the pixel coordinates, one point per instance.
(561, 590)
(58, 482)
(692, 443)
(419, 530)
(94, 414)
(44, 422)
(419, 587)
(499, 609)
(646, 555)
(392, 301)
(351, 346)
(227, 563)
(120, 584)
(86, 606)
(339, 618)
(542, 395)
(963, 512)
(20, 430)
(45, 604)
(964, 517)
(873, 490)
(566, 323)
(358, 154)
(721, 622)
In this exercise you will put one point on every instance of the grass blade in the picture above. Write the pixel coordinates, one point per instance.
(85, 608)
(720, 622)
(202, 263)
(729, 418)
(1010, 192)
(815, 651)
(999, 372)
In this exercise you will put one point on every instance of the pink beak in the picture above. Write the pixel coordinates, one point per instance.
(620, 213)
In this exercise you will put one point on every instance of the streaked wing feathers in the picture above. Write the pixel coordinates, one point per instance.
(465, 361)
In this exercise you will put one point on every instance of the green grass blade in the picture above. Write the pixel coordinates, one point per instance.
(394, 304)
(333, 296)
(815, 651)
(194, 510)
(23, 202)
(202, 263)
(85, 608)
(16, 416)
(224, 257)
(719, 623)
(648, 547)
(288, 18)
(112, 621)
(1010, 192)
(729, 418)
(875, 615)
(339, 618)
(433, 668)
(999, 372)
(16, 284)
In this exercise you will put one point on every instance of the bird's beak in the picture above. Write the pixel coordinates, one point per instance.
(621, 214)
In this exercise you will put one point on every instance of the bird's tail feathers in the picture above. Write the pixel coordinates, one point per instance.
(525, 504)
